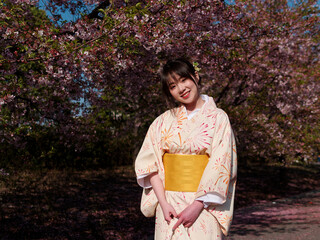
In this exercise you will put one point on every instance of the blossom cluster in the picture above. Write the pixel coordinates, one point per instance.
(70, 79)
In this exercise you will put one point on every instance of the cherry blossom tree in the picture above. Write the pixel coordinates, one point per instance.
(86, 90)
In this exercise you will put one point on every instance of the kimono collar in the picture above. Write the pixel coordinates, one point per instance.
(205, 98)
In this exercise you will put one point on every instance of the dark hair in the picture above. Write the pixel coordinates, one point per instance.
(181, 67)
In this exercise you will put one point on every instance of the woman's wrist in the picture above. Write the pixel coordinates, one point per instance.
(198, 203)
(163, 202)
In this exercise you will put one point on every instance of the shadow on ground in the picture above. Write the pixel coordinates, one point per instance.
(84, 205)
(104, 204)
(290, 218)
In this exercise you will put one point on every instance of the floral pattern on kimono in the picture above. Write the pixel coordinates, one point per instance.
(208, 132)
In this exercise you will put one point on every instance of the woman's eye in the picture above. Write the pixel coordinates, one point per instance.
(172, 87)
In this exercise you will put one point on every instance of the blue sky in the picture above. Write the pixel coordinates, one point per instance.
(67, 16)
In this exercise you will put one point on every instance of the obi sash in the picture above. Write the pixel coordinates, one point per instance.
(183, 172)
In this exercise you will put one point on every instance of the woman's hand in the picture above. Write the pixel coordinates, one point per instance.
(189, 215)
(168, 211)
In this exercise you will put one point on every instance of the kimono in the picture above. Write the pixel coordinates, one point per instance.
(207, 132)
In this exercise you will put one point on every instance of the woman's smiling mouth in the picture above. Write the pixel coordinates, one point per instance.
(186, 95)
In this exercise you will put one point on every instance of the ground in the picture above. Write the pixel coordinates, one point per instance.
(104, 204)
(296, 218)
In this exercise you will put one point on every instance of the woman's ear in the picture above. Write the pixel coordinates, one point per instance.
(196, 74)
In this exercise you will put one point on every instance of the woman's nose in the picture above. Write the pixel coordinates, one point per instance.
(181, 88)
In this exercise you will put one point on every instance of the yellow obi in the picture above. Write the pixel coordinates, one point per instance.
(183, 172)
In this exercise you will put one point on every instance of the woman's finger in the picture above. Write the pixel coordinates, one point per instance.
(177, 224)
(187, 225)
(168, 219)
(174, 213)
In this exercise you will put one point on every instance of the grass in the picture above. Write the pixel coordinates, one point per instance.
(104, 204)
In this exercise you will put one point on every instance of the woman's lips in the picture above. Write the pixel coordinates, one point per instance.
(186, 95)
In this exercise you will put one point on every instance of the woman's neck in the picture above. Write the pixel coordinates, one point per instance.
(193, 106)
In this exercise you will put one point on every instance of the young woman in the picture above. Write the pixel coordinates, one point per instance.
(187, 164)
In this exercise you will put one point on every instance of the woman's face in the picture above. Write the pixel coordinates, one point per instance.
(184, 89)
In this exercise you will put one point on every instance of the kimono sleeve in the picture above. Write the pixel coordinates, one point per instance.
(148, 156)
(219, 176)
(149, 160)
